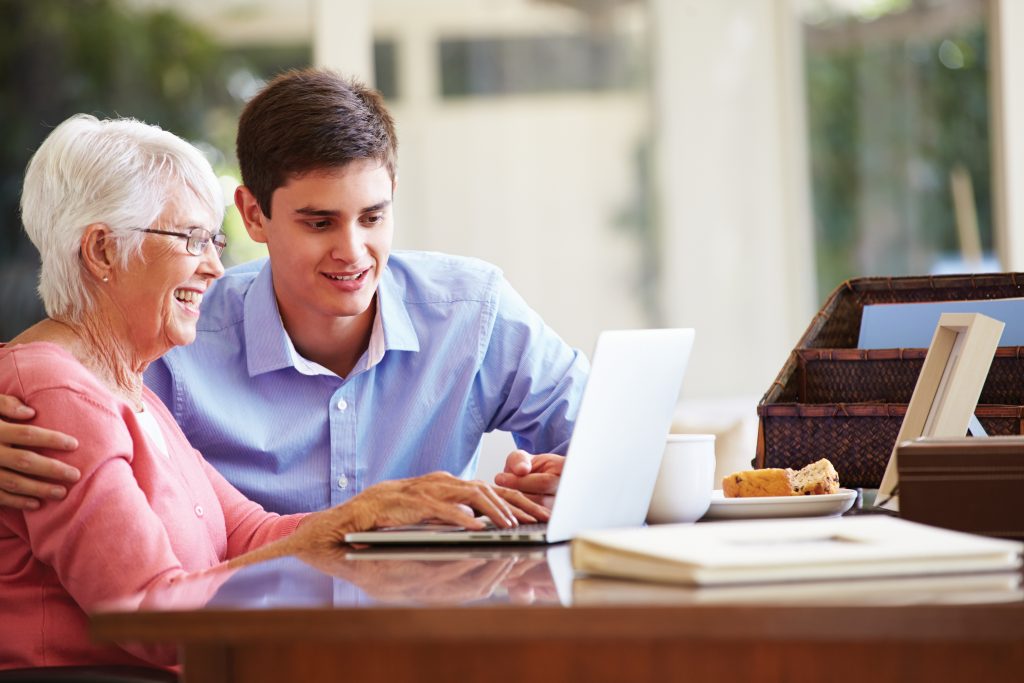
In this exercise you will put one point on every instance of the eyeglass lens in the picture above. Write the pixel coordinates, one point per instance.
(200, 238)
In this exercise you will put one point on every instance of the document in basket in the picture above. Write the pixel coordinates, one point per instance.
(910, 326)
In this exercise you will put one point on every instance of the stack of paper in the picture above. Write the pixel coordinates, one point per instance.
(943, 589)
(723, 553)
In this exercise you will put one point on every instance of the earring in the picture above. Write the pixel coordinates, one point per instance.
(106, 278)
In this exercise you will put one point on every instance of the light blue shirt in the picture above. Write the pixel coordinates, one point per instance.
(455, 352)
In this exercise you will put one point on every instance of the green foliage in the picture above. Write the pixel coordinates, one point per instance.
(61, 57)
(888, 121)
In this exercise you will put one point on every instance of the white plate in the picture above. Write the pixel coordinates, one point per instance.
(780, 506)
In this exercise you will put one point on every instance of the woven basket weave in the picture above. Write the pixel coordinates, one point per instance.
(847, 404)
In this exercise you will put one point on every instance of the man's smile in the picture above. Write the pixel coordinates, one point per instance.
(347, 277)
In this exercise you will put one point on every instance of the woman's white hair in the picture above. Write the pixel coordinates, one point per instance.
(118, 172)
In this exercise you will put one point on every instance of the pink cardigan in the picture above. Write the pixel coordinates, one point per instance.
(136, 520)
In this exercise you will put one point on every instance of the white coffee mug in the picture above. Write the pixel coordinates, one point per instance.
(685, 481)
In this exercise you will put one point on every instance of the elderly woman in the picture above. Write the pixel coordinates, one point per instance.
(126, 219)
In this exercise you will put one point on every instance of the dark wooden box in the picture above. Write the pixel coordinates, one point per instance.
(964, 484)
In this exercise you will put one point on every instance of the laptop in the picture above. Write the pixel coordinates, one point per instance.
(615, 451)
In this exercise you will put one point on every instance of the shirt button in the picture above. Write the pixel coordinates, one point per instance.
(343, 482)
(199, 510)
(342, 404)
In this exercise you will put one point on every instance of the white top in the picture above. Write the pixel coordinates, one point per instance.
(152, 429)
(374, 352)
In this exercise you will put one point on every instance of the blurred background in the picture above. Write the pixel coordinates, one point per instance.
(628, 163)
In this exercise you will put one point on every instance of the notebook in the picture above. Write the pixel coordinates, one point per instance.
(615, 451)
(782, 550)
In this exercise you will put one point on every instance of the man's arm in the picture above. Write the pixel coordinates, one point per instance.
(531, 383)
(27, 478)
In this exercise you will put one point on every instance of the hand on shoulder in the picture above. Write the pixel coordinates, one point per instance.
(27, 478)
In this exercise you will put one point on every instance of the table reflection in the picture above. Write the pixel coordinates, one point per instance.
(348, 577)
(519, 614)
(405, 576)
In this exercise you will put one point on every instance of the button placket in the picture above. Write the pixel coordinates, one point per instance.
(342, 444)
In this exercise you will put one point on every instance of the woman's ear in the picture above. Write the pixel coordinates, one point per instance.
(252, 214)
(97, 250)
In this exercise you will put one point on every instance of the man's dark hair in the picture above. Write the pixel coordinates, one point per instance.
(310, 120)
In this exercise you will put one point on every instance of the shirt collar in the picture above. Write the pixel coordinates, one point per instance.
(268, 347)
(396, 325)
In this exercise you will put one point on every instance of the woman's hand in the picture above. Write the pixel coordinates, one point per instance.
(437, 496)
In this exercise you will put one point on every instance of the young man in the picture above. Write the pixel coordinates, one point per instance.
(336, 363)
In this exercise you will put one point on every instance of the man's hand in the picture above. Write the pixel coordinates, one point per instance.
(535, 475)
(25, 476)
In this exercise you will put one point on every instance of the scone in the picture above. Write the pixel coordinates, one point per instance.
(814, 479)
(772, 481)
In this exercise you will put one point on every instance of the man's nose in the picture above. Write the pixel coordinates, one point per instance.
(349, 246)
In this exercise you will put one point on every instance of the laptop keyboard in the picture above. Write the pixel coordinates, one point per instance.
(521, 529)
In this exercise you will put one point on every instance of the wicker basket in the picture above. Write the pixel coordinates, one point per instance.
(847, 404)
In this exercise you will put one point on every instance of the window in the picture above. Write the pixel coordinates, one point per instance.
(899, 124)
(385, 67)
(154, 61)
(537, 64)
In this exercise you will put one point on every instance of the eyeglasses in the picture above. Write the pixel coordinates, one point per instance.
(198, 239)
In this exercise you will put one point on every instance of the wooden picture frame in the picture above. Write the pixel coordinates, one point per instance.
(947, 389)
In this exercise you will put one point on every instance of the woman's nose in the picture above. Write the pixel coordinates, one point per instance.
(211, 264)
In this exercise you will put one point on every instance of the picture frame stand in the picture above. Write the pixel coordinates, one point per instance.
(947, 389)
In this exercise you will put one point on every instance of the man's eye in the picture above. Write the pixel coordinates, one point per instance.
(373, 218)
(318, 225)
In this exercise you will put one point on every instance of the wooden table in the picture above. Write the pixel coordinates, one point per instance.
(519, 615)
